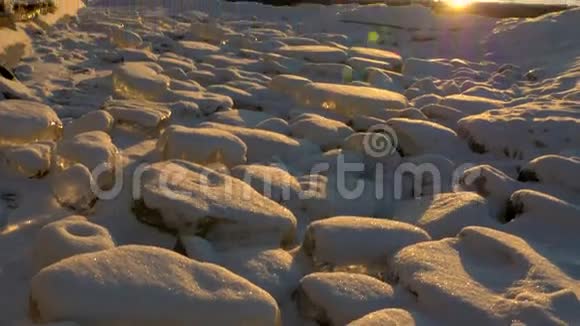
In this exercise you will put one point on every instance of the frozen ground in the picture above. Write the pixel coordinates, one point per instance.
(195, 162)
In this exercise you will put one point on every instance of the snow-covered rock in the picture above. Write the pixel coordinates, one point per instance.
(523, 132)
(137, 113)
(350, 100)
(172, 289)
(322, 131)
(275, 270)
(480, 268)
(71, 236)
(125, 38)
(552, 169)
(93, 149)
(350, 240)
(444, 215)
(24, 121)
(202, 146)
(177, 195)
(393, 59)
(30, 160)
(314, 53)
(270, 181)
(265, 146)
(338, 298)
(417, 137)
(140, 80)
(470, 104)
(72, 188)
(389, 316)
(93, 121)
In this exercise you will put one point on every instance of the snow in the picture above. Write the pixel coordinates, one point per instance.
(171, 289)
(205, 145)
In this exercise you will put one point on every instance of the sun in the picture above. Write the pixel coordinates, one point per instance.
(459, 3)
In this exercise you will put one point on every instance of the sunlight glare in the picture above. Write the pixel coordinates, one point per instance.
(459, 3)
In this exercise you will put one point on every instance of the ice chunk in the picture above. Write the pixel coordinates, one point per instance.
(171, 289)
(270, 181)
(393, 59)
(491, 277)
(197, 50)
(384, 317)
(444, 215)
(71, 188)
(338, 298)
(24, 121)
(68, 237)
(93, 121)
(14, 89)
(530, 211)
(327, 72)
(275, 125)
(32, 160)
(351, 240)
(208, 102)
(288, 84)
(141, 114)
(470, 104)
(93, 149)
(322, 131)
(125, 38)
(202, 145)
(523, 132)
(553, 169)
(266, 146)
(350, 100)
(242, 118)
(140, 80)
(417, 137)
(274, 270)
(360, 64)
(178, 195)
(314, 53)
(168, 62)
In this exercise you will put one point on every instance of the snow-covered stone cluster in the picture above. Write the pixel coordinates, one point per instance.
(238, 164)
